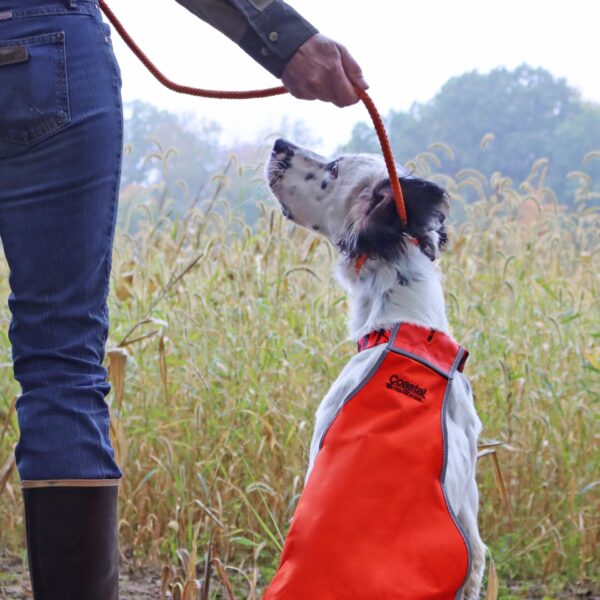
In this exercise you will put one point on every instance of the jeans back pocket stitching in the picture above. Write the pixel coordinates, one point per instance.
(62, 117)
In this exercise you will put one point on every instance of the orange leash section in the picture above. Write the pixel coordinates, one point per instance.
(387, 152)
(265, 93)
(176, 87)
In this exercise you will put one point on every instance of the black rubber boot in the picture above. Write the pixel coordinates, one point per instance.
(72, 542)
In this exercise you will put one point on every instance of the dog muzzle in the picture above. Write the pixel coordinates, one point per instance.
(373, 520)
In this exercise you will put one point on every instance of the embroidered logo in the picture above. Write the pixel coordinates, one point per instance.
(397, 384)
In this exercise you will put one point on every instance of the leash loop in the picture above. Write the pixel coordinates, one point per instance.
(264, 93)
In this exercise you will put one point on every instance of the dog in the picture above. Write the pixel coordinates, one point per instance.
(349, 200)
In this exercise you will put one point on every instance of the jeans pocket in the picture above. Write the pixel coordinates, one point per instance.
(34, 100)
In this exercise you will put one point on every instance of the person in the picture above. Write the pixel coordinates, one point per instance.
(61, 129)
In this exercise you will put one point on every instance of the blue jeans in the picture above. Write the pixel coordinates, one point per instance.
(61, 131)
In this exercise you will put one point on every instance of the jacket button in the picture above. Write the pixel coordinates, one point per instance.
(264, 51)
(273, 36)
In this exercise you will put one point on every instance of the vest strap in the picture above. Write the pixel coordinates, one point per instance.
(432, 346)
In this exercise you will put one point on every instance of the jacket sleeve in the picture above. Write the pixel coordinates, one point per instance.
(270, 31)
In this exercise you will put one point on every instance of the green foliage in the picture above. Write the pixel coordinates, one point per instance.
(530, 114)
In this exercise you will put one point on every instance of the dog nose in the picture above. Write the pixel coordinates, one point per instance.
(282, 146)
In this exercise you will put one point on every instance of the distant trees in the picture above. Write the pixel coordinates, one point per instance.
(151, 132)
(530, 113)
(175, 160)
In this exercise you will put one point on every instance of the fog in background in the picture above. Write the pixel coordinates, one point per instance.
(407, 51)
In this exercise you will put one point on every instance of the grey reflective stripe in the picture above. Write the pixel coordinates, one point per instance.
(353, 393)
(449, 376)
(365, 379)
(459, 358)
(443, 479)
(390, 344)
(422, 361)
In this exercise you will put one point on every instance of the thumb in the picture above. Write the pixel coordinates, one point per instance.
(352, 69)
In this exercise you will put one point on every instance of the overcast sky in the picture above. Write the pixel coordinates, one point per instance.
(407, 52)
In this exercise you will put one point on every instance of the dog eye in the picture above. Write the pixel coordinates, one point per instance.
(333, 169)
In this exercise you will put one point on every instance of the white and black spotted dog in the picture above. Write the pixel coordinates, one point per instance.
(349, 200)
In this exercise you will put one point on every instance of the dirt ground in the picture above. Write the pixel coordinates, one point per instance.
(144, 584)
(14, 582)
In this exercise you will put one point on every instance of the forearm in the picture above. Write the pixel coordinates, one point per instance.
(270, 31)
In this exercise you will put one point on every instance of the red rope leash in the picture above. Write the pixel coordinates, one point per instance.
(176, 87)
(387, 152)
(265, 93)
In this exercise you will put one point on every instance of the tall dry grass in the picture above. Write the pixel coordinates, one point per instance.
(224, 338)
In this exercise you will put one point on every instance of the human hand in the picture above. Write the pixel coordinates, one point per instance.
(322, 69)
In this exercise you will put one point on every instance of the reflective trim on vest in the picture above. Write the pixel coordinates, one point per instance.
(373, 520)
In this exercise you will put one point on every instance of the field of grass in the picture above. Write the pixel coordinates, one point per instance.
(225, 337)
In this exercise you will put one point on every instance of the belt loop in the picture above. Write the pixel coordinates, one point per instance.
(72, 3)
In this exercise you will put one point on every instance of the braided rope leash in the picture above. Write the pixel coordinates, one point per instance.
(265, 93)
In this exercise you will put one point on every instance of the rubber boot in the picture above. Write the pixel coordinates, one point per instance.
(72, 543)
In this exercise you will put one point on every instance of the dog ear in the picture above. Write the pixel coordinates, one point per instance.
(378, 230)
(426, 208)
(374, 228)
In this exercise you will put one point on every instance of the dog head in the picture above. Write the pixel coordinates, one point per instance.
(350, 201)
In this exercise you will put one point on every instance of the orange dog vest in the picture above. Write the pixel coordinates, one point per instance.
(373, 521)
